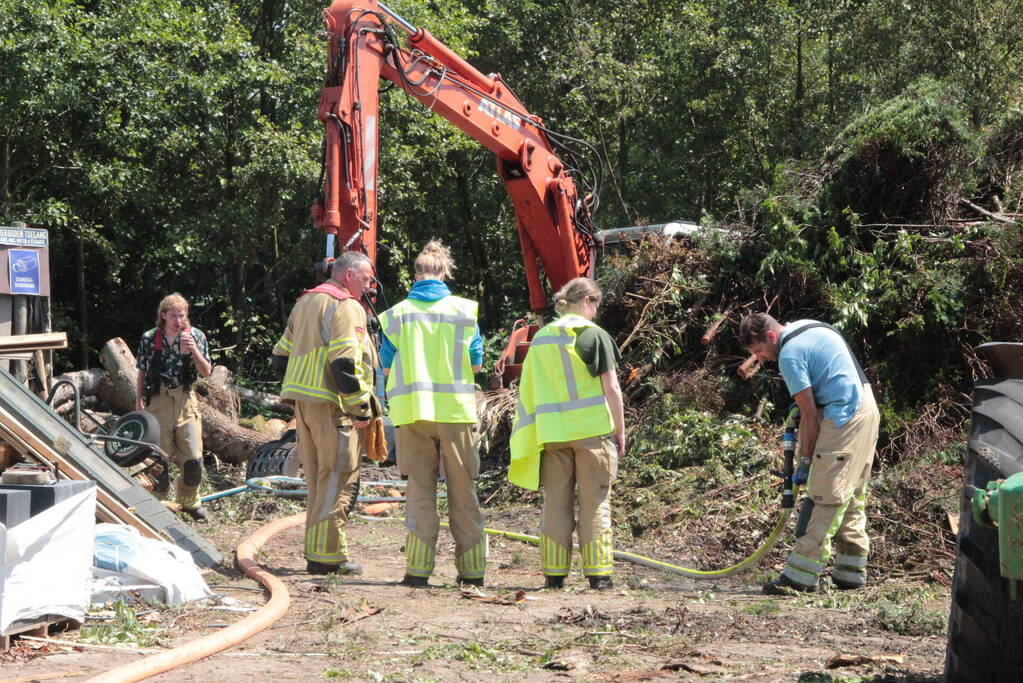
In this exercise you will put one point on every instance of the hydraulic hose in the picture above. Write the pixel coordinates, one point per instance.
(261, 619)
(263, 484)
(699, 574)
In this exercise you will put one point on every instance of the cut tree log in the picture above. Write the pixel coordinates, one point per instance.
(87, 381)
(225, 438)
(218, 391)
(120, 391)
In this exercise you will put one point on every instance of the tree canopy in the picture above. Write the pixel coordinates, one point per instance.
(176, 148)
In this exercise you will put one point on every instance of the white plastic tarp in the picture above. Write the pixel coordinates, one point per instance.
(120, 548)
(47, 562)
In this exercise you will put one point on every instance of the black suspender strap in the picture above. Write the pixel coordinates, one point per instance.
(795, 333)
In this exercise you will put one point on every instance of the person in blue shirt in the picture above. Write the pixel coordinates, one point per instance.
(430, 350)
(838, 430)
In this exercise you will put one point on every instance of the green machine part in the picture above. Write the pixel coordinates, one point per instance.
(1001, 506)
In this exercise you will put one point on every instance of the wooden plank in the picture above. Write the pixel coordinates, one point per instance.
(33, 627)
(31, 342)
(35, 448)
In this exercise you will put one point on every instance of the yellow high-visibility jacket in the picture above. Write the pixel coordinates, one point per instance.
(431, 377)
(559, 400)
(322, 329)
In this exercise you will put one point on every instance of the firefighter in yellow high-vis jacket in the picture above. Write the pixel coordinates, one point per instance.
(569, 431)
(327, 359)
(431, 348)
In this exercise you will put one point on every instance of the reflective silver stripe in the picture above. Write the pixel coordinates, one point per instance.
(330, 494)
(325, 324)
(430, 317)
(547, 340)
(524, 419)
(398, 370)
(855, 578)
(435, 387)
(850, 561)
(459, 350)
(393, 327)
(805, 563)
(799, 576)
(568, 406)
(566, 365)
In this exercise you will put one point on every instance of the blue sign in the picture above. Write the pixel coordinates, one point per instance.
(24, 270)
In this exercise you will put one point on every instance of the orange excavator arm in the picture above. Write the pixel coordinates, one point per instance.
(554, 222)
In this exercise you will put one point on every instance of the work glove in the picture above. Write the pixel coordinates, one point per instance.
(802, 473)
(376, 440)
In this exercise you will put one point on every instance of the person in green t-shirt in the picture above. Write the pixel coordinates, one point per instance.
(570, 419)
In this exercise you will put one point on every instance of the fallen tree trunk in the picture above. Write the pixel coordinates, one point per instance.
(87, 382)
(218, 391)
(225, 438)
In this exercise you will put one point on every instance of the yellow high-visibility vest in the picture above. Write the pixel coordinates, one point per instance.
(559, 400)
(431, 376)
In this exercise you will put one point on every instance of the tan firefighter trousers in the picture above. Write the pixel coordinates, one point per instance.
(572, 473)
(423, 449)
(330, 454)
(836, 501)
(177, 411)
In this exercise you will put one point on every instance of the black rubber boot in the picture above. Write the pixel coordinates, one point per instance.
(199, 514)
(846, 585)
(348, 568)
(783, 585)
(554, 582)
(416, 581)
(601, 583)
(462, 581)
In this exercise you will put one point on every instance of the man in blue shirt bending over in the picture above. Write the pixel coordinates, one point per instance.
(837, 437)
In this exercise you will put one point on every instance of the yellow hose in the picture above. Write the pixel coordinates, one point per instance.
(703, 574)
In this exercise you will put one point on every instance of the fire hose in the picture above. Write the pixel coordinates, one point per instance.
(280, 600)
(789, 493)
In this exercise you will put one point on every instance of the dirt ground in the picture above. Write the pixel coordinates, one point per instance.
(653, 626)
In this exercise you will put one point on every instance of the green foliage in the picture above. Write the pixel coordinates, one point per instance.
(674, 437)
(911, 619)
(762, 607)
(126, 629)
(920, 142)
(477, 656)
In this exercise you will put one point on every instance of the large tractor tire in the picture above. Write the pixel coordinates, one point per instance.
(985, 628)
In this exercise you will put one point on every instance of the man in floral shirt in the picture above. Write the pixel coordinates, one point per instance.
(170, 358)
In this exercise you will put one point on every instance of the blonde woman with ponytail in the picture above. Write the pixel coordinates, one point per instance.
(431, 348)
(569, 431)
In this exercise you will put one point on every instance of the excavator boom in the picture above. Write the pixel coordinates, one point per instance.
(554, 222)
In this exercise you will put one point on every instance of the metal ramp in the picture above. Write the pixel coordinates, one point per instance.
(33, 428)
